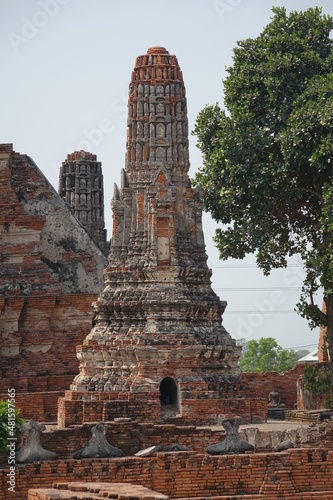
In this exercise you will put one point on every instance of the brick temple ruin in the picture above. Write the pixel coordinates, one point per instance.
(158, 347)
(151, 358)
(51, 271)
(81, 186)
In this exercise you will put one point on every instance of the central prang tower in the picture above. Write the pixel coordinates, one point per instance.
(158, 338)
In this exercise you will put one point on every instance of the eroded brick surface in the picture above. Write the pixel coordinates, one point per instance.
(51, 271)
(92, 491)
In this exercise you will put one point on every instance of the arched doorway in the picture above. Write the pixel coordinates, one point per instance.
(168, 392)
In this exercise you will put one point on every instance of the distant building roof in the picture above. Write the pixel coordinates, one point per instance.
(312, 357)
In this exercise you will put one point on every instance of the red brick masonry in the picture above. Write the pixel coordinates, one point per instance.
(73, 410)
(185, 475)
(73, 491)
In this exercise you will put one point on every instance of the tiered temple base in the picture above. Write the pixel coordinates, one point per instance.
(207, 407)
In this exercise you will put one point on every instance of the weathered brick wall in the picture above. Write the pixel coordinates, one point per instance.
(184, 475)
(211, 409)
(131, 437)
(96, 407)
(259, 385)
(134, 436)
(41, 406)
(45, 359)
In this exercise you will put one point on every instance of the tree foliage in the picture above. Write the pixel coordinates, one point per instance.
(266, 355)
(267, 157)
(317, 381)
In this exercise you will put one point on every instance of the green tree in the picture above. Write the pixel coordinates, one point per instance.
(5, 430)
(267, 158)
(266, 355)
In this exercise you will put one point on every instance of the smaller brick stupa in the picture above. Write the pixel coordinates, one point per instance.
(81, 186)
(158, 346)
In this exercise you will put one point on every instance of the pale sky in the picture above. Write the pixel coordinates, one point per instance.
(66, 67)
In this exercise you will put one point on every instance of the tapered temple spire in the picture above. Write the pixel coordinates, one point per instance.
(158, 319)
(81, 186)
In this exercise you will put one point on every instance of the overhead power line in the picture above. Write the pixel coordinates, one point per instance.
(302, 346)
(247, 266)
(258, 289)
(258, 311)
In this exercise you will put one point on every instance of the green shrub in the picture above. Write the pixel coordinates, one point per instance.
(8, 431)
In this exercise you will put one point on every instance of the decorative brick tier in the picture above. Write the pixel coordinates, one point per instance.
(298, 473)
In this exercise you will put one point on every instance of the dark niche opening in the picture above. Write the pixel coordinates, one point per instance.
(168, 392)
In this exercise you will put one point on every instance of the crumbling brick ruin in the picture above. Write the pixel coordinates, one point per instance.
(81, 186)
(51, 271)
(158, 336)
(156, 365)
